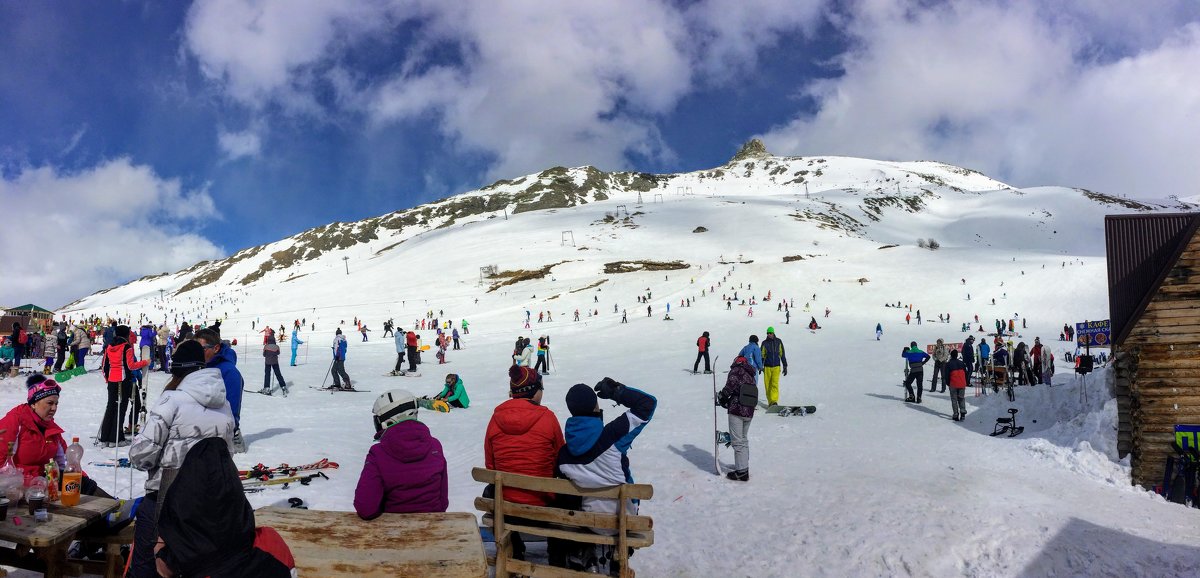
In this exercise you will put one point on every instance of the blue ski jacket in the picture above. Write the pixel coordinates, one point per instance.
(226, 361)
(753, 353)
(595, 454)
(916, 358)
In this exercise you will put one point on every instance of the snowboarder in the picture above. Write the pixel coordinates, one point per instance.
(703, 343)
(774, 357)
(339, 362)
(405, 472)
(454, 393)
(914, 364)
(740, 398)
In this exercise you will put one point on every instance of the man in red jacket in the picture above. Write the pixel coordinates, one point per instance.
(523, 437)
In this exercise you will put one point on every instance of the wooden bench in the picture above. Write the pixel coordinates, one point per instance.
(630, 531)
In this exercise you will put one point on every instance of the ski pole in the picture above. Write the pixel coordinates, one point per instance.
(327, 371)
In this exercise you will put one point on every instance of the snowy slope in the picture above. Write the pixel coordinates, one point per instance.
(867, 486)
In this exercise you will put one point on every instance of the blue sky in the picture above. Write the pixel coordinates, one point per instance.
(206, 127)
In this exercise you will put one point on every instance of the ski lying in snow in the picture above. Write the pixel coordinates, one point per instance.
(686, 370)
(261, 472)
(285, 481)
(340, 389)
(121, 463)
(788, 410)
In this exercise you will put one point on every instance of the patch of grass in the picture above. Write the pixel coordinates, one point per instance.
(506, 278)
(592, 286)
(634, 266)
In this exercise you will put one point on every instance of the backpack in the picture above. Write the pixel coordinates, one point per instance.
(22, 337)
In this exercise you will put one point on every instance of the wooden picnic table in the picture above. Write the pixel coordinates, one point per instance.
(443, 545)
(49, 540)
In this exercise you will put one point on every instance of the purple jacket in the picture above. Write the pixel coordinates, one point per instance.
(741, 389)
(404, 473)
(147, 334)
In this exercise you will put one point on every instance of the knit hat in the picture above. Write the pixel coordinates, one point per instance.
(753, 339)
(339, 331)
(581, 400)
(770, 331)
(34, 380)
(523, 381)
(122, 331)
(188, 357)
(43, 390)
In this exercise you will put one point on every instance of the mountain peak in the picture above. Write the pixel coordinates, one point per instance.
(753, 149)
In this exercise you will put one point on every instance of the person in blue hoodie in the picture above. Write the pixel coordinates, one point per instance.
(296, 343)
(219, 355)
(914, 360)
(753, 354)
(595, 456)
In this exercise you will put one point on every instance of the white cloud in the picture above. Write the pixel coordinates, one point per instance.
(538, 83)
(1021, 92)
(235, 145)
(96, 228)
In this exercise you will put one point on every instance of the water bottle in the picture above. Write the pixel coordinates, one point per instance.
(73, 477)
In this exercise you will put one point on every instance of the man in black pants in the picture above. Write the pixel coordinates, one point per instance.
(915, 363)
(703, 343)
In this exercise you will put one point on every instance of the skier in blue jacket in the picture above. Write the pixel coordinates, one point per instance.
(296, 343)
(339, 361)
(915, 367)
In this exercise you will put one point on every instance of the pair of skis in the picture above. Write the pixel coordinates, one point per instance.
(251, 486)
(262, 472)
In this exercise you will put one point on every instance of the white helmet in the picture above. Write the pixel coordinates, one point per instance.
(394, 407)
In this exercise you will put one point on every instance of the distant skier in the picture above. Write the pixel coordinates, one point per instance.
(296, 343)
(878, 331)
(543, 351)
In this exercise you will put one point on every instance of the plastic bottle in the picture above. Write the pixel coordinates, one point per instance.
(12, 481)
(73, 477)
(51, 481)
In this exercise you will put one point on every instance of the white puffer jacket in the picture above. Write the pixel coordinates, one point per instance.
(196, 410)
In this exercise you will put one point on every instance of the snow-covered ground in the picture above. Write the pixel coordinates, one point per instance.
(867, 486)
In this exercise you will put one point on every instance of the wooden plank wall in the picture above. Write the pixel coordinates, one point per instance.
(1163, 378)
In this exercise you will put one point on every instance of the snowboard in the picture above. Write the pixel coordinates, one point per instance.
(332, 390)
(789, 410)
(405, 374)
(716, 431)
(433, 404)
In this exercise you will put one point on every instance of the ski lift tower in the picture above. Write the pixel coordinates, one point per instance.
(658, 198)
(565, 236)
(485, 272)
(346, 260)
(623, 208)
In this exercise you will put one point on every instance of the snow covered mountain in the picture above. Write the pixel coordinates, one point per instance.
(573, 222)
(867, 486)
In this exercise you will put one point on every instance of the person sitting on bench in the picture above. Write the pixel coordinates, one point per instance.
(405, 472)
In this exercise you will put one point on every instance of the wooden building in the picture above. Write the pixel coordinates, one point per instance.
(1154, 305)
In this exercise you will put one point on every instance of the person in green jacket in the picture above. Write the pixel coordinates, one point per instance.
(454, 393)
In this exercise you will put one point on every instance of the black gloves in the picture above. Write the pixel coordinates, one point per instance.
(785, 370)
(608, 388)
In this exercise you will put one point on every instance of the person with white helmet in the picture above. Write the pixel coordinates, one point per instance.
(405, 472)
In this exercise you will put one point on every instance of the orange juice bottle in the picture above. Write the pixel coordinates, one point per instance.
(73, 477)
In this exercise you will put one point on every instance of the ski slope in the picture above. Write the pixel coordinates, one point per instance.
(867, 486)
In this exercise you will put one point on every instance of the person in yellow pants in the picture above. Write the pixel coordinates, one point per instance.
(774, 363)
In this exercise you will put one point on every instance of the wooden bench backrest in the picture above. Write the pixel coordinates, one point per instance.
(631, 531)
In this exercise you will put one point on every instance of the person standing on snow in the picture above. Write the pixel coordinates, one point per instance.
(296, 343)
(914, 360)
(1036, 355)
(339, 361)
(940, 356)
(454, 335)
(753, 354)
(117, 367)
(543, 349)
(773, 357)
(703, 344)
(878, 331)
(401, 347)
(218, 354)
(740, 398)
(957, 372)
(271, 363)
(968, 356)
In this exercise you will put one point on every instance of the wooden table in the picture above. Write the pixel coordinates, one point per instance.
(417, 545)
(49, 540)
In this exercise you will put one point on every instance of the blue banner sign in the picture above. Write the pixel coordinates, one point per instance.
(1096, 333)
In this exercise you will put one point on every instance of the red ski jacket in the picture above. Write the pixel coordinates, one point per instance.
(523, 438)
(117, 358)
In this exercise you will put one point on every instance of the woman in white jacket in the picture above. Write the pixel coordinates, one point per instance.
(192, 407)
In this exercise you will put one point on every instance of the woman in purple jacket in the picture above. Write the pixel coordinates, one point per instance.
(405, 472)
